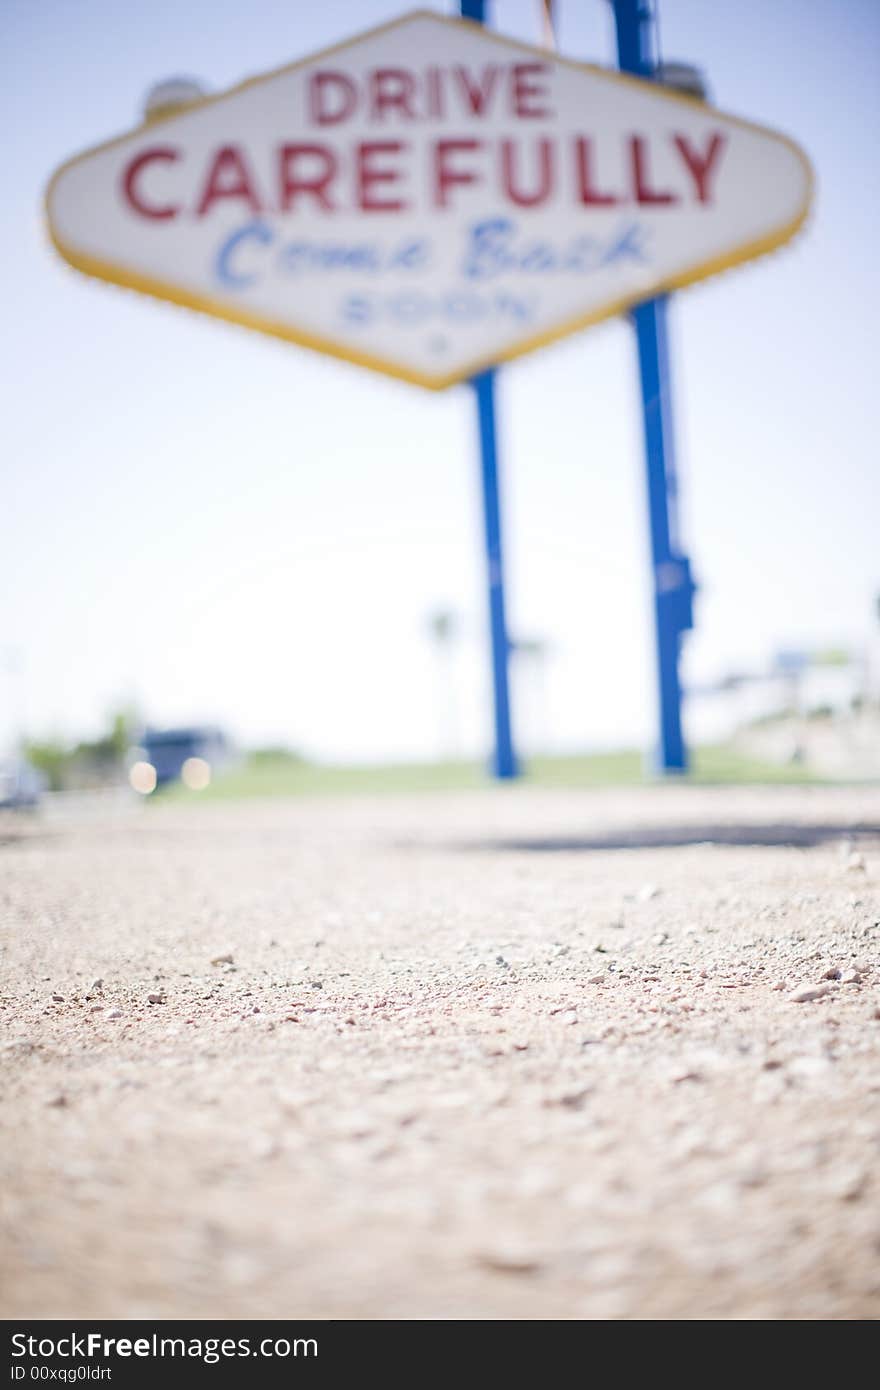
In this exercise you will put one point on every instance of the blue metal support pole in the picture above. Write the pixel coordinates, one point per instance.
(504, 761)
(673, 586)
(474, 9)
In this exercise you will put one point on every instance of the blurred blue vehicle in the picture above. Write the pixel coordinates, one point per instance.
(188, 755)
(21, 786)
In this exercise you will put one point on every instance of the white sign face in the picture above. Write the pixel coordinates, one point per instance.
(428, 199)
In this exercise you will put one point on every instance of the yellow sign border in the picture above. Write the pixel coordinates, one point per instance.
(202, 303)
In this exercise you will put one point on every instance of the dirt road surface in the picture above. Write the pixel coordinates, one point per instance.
(512, 1054)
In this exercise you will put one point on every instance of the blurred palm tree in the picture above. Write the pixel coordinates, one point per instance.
(532, 655)
(444, 630)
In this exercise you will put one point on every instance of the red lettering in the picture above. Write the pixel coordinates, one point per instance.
(393, 90)
(587, 192)
(525, 91)
(433, 93)
(292, 181)
(700, 166)
(324, 107)
(446, 177)
(228, 177)
(545, 176)
(477, 96)
(164, 154)
(368, 175)
(650, 197)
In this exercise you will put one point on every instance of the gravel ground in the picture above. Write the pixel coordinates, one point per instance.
(513, 1054)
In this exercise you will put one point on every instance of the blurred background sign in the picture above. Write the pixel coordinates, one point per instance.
(427, 199)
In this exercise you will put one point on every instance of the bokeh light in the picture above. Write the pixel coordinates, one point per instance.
(142, 777)
(196, 774)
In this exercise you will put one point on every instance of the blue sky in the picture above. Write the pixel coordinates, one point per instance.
(217, 525)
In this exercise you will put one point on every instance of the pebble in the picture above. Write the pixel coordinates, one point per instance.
(851, 977)
(848, 1184)
(597, 979)
(155, 998)
(354, 1124)
(809, 1066)
(856, 863)
(832, 973)
(115, 1013)
(58, 998)
(660, 938)
(509, 1260)
(808, 994)
(263, 1146)
(571, 1100)
(58, 1100)
(96, 986)
(226, 959)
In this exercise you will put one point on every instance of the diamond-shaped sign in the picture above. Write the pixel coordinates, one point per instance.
(428, 199)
